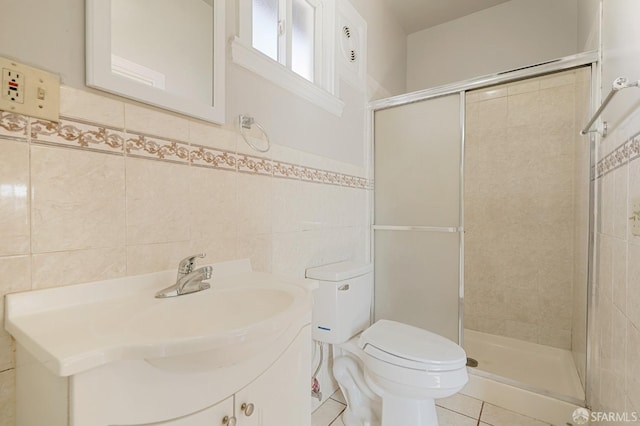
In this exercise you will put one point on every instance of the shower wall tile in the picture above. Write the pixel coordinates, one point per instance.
(14, 198)
(524, 109)
(486, 94)
(558, 338)
(493, 113)
(557, 109)
(520, 208)
(77, 200)
(527, 86)
(560, 79)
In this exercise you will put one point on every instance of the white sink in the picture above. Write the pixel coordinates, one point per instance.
(77, 328)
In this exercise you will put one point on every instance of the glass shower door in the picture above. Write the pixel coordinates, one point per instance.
(417, 220)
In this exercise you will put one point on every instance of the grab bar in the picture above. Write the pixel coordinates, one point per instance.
(618, 84)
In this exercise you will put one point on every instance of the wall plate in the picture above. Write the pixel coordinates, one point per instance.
(29, 91)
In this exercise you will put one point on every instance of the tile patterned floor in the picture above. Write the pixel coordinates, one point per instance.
(458, 410)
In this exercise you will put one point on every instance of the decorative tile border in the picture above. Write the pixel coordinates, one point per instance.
(203, 156)
(78, 134)
(625, 153)
(286, 170)
(143, 146)
(259, 165)
(14, 126)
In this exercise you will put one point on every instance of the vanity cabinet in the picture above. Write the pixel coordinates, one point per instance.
(212, 416)
(275, 398)
(277, 395)
(109, 353)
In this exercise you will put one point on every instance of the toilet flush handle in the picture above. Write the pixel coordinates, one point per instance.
(343, 287)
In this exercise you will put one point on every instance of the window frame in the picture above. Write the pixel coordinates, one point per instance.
(322, 91)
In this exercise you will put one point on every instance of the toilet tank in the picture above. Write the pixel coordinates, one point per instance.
(342, 301)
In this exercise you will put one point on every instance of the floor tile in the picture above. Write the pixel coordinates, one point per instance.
(338, 396)
(450, 418)
(327, 413)
(337, 422)
(496, 416)
(462, 404)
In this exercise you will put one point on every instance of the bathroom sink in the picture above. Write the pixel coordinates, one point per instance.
(76, 328)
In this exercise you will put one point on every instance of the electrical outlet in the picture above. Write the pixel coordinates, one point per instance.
(29, 91)
(12, 85)
(635, 217)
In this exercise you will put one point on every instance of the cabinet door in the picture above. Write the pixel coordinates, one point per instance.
(211, 416)
(280, 396)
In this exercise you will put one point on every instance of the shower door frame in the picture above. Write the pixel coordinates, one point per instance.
(591, 59)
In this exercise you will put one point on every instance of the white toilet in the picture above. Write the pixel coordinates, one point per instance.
(390, 373)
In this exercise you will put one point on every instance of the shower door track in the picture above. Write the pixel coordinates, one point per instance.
(568, 62)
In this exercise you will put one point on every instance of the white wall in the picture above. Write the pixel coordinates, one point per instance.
(57, 44)
(507, 36)
(588, 25)
(387, 55)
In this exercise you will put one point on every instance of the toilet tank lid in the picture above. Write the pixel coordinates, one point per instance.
(339, 271)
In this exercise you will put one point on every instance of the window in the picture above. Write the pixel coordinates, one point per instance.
(286, 31)
(291, 43)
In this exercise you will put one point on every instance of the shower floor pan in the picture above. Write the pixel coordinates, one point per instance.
(535, 380)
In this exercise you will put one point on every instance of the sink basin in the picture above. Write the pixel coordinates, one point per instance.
(76, 328)
(227, 311)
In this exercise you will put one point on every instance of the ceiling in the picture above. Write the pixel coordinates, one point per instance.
(416, 15)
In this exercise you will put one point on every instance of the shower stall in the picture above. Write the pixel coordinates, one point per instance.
(482, 225)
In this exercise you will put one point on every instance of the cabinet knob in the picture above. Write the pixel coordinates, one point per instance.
(247, 409)
(229, 421)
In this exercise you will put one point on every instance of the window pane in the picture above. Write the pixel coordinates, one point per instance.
(265, 27)
(302, 43)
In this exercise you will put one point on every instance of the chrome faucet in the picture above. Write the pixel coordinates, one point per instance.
(189, 280)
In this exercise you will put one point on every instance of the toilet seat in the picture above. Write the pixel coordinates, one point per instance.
(410, 347)
(410, 362)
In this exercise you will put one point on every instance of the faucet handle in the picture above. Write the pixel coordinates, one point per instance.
(187, 264)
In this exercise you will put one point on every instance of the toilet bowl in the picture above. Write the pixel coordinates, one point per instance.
(390, 373)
